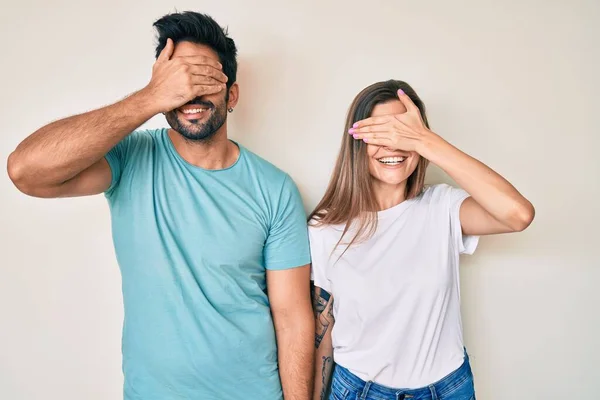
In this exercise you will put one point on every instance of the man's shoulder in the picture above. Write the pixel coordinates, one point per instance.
(146, 135)
(265, 170)
(141, 139)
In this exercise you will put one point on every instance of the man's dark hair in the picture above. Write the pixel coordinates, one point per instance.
(199, 28)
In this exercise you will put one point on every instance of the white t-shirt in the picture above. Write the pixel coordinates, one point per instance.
(396, 295)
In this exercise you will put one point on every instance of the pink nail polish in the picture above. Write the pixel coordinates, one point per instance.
(400, 91)
(365, 140)
(351, 131)
(355, 125)
(355, 136)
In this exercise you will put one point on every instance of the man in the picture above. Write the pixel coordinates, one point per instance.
(210, 238)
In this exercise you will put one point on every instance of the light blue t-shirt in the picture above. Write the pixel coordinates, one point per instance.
(193, 246)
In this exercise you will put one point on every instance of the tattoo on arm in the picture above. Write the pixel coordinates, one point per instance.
(325, 371)
(323, 309)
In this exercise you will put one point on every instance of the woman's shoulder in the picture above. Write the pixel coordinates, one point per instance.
(318, 230)
(438, 192)
(440, 197)
(316, 225)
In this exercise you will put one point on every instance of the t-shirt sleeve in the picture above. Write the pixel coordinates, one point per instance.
(319, 260)
(465, 244)
(117, 159)
(287, 243)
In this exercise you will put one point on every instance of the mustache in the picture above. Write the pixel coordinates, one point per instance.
(198, 101)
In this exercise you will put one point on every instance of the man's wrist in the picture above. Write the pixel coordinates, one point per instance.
(144, 102)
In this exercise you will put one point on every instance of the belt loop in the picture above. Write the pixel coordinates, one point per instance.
(434, 395)
(365, 391)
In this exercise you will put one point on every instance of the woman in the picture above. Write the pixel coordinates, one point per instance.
(387, 250)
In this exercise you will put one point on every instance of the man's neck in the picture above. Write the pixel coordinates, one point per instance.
(217, 153)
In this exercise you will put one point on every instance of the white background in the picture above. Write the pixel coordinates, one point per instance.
(514, 83)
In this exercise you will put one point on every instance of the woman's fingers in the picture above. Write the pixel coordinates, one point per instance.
(374, 137)
(373, 121)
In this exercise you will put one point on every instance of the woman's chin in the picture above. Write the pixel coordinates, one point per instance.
(391, 181)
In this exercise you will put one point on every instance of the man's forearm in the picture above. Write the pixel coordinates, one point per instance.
(296, 354)
(59, 151)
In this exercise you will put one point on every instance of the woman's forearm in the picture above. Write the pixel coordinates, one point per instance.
(489, 189)
(324, 321)
(323, 369)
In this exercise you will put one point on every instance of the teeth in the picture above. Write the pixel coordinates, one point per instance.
(392, 160)
(194, 110)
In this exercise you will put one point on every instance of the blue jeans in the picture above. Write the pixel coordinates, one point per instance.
(458, 385)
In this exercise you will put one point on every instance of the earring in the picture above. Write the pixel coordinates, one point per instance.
(230, 109)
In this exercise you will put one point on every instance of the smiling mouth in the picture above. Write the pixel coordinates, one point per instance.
(195, 112)
(391, 161)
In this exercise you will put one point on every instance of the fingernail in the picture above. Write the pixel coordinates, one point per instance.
(355, 125)
(351, 131)
(355, 136)
(401, 91)
(365, 140)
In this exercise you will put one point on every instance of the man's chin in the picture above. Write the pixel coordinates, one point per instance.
(194, 123)
(201, 130)
(195, 136)
(190, 129)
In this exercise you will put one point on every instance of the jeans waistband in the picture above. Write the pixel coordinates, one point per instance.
(442, 387)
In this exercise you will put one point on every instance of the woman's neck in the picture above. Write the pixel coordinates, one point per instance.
(388, 196)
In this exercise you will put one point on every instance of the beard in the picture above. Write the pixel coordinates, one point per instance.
(199, 130)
